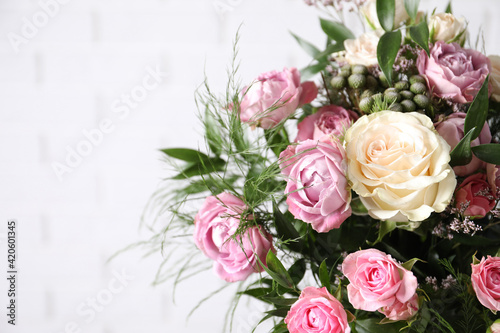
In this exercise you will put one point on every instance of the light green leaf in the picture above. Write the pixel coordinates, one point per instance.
(336, 31)
(184, 154)
(420, 35)
(277, 271)
(462, 153)
(490, 153)
(478, 111)
(411, 7)
(312, 70)
(324, 276)
(385, 228)
(409, 264)
(386, 10)
(387, 50)
(306, 46)
(448, 9)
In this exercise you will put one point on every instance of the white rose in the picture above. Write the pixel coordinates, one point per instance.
(369, 11)
(448, 28)
(363, 50)
(495, 77)
(398, 165)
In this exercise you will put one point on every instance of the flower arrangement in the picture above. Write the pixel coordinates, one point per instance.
(365, 199)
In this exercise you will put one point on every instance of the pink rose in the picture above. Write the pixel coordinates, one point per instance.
(316, 186)
(452, 72)
(452, 130)
(329, 120)
(274, 96)
(215, 223)
(401, 311)
(493, 175)
(495, 327)
(317, 311)
(486, 282)
(474, 196)
(377, 281)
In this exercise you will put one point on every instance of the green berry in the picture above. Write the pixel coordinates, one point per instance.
(396, 107)
(422, 101)
(408, 105)
(406, 94)
(417, 78)
(338, 82)
(418, 88)
(366, 104)
(366, 93)
(356, 81)
(371, 82)
(392, 97)
(359, 69)
(402, 85)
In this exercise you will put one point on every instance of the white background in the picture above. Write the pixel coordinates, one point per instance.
(66, 78)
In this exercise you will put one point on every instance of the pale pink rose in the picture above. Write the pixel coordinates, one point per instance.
(475, 195)
(329, 120)
(452, 130)
(317, 311)
(215, 223)
(316, 184)
(453, 72)
(401, 311)
(376, 280)
(274, 96)
(486, 282)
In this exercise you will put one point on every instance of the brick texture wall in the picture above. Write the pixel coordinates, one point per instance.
(89, 91)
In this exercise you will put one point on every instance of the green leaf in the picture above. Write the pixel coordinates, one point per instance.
(277, 271)
(420, 35)
(385, 228)
(332, 48)
(336, 31)
(462, 153)
(279, 300)
(371, 325)
(357, 207)
(448, 9)
(212, 133)
(478, 111)
(490, 153)
(286, 231)
(297, 270)
(386, 11)
(306, 46)
(411, 7)
(184, 154)
(338, 294)
(387, 50)
(202, 168)
(324, 276)
(281, 312)
(311, 70)
(409, 264)
(257, 292)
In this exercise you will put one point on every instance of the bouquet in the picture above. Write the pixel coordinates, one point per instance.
(359, 194)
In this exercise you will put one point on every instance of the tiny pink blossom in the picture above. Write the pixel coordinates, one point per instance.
(317, 311)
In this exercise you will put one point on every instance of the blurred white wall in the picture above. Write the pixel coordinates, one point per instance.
(72, 73)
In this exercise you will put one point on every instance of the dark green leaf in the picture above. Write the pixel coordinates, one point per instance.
(311, 70)
(188, 155)
(257, 292)
(277, 271)
(324, 276)
(281, 312)
(202, 168)
(420, 35)
(490, 153)
(411, 7)
(371, 325)
(386, 11)
(448, 8)
(306, 46)
(357, 207)
(462, 153)
(336, 31)
(387, 50)
(285, 229)
(297, 270)
(279, 300)
(280, 328)
(478, 111)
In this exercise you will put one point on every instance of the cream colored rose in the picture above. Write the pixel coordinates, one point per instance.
(398, 165)
(369, 11)
(495, 77)
(448, 28)
(363, 50)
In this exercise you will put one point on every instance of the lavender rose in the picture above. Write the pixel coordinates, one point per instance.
(329, 120)
(274, 96)
(215, 223)
(316, 186)
(452, 130)
(453, 72)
